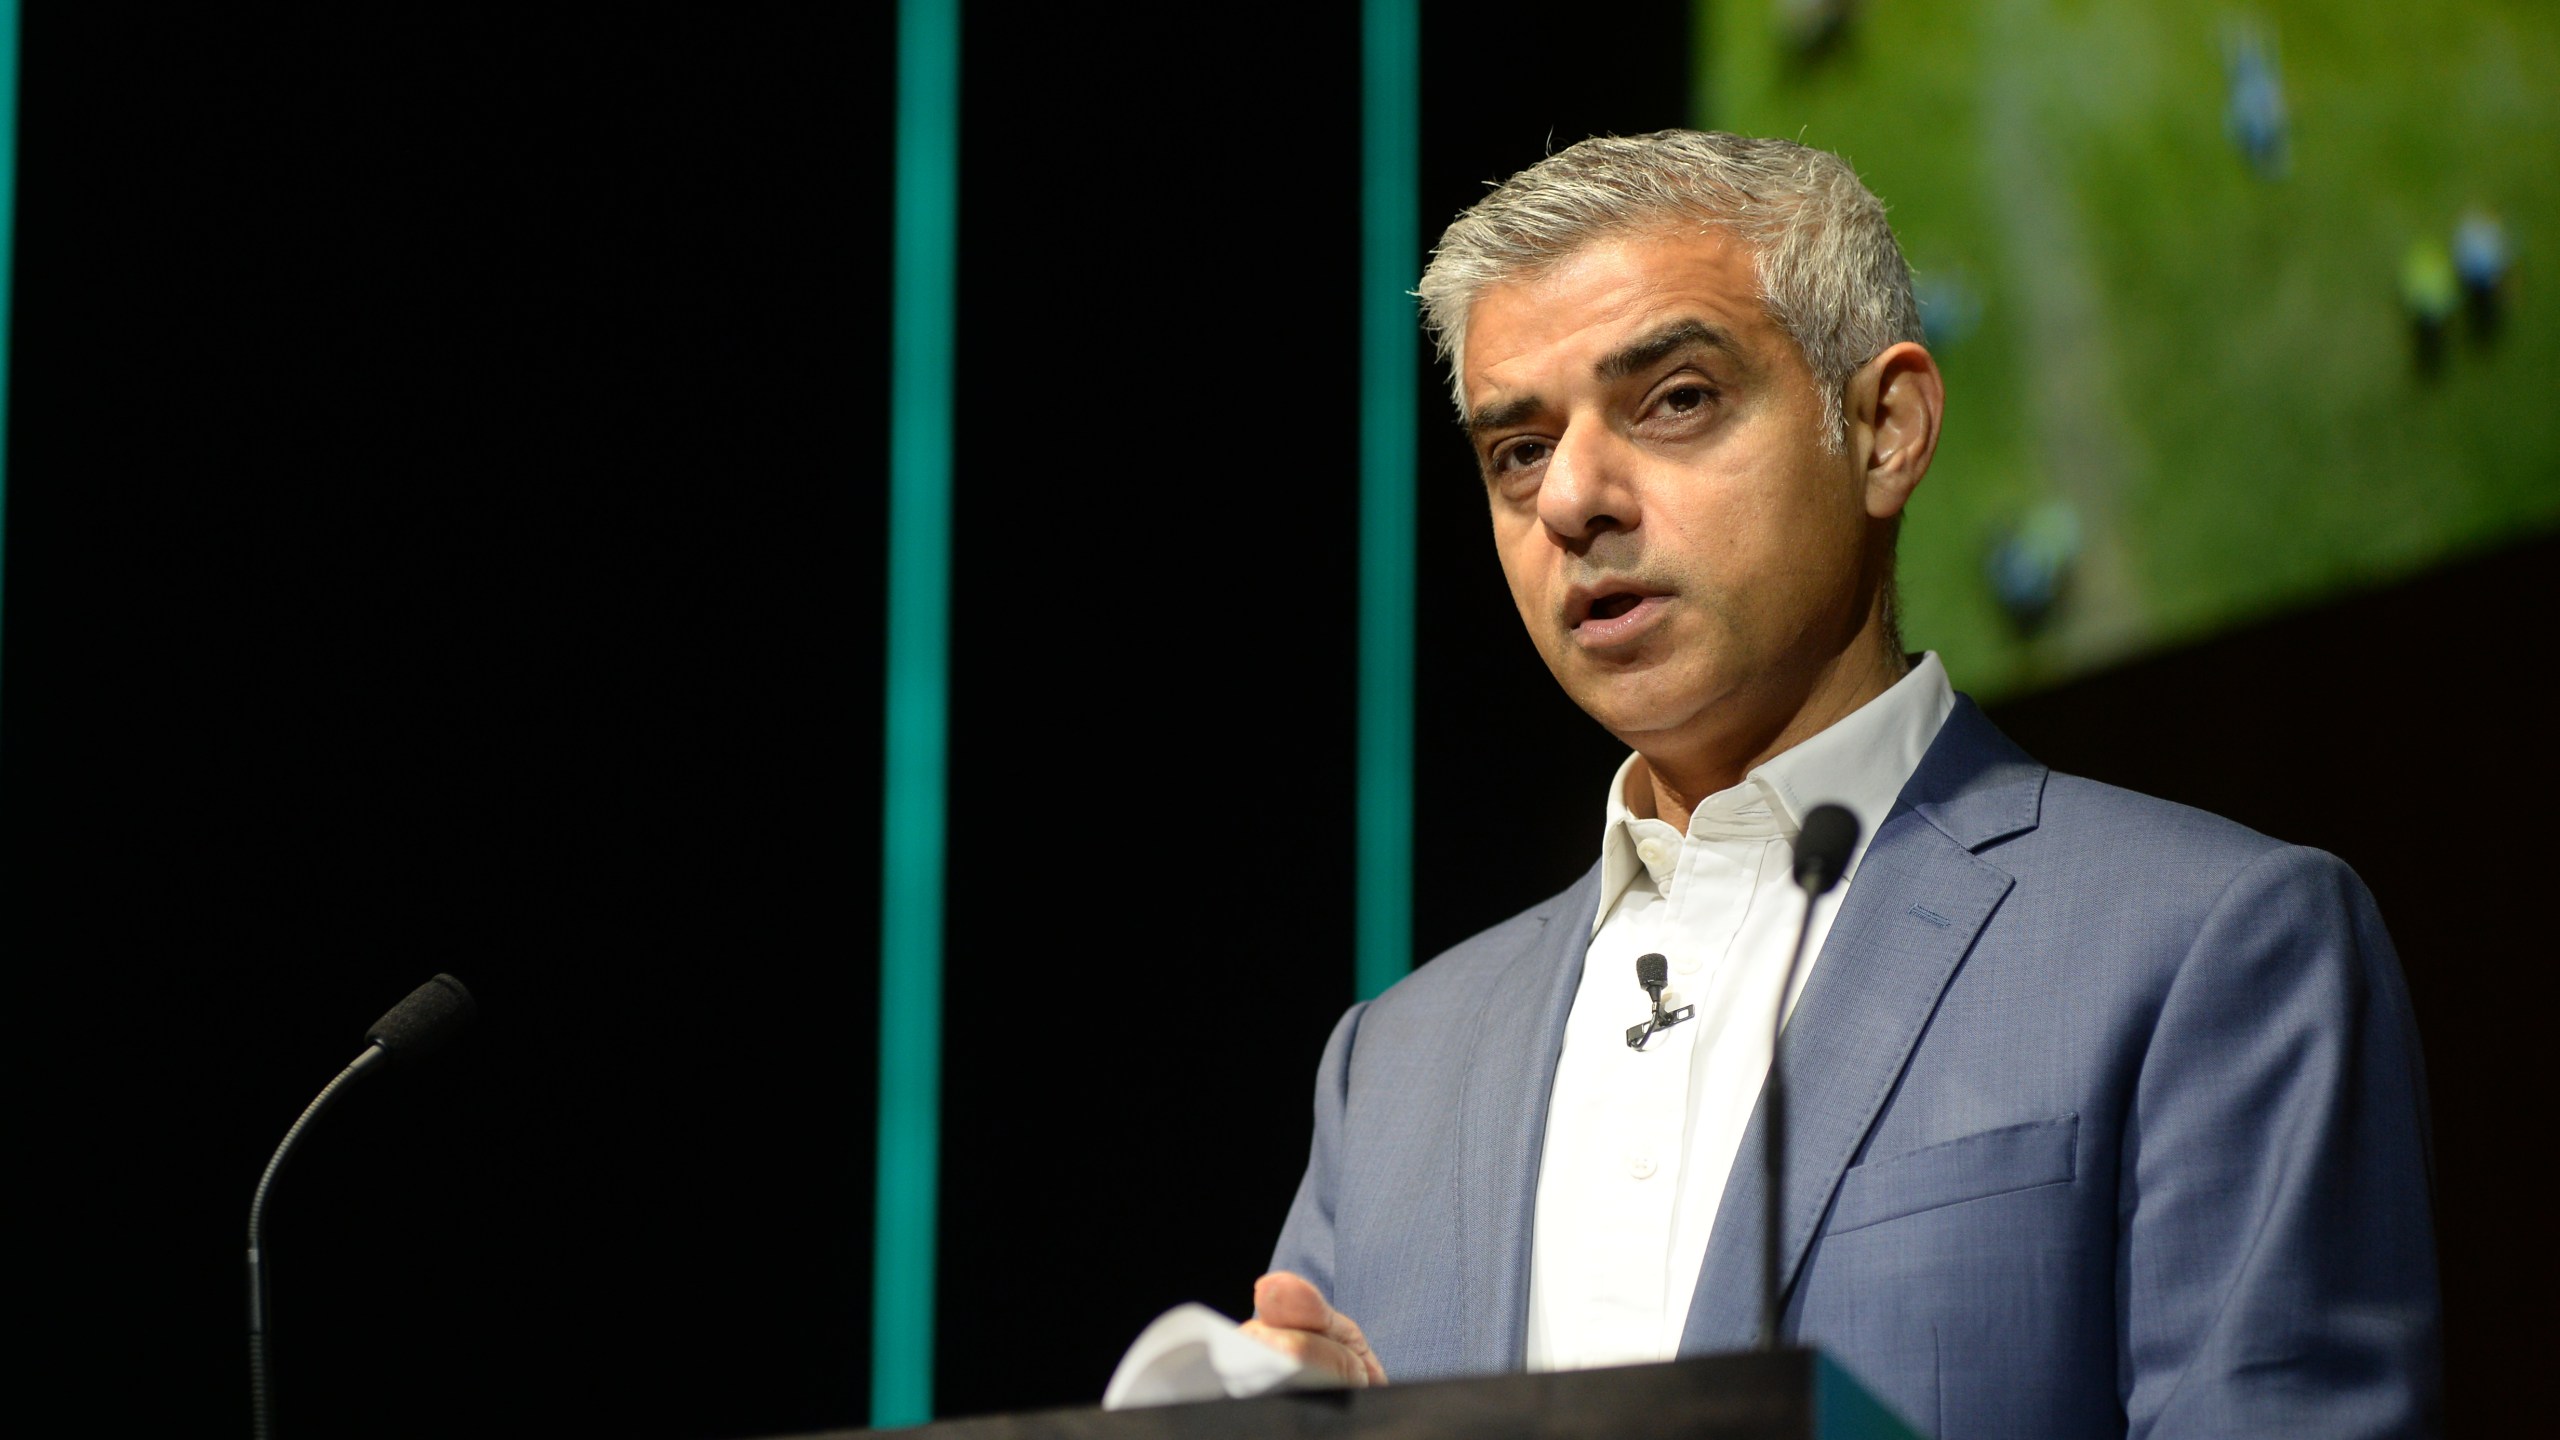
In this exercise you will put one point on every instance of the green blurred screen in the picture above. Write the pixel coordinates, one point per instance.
(2238, 307)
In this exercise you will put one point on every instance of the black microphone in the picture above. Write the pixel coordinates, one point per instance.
(420, 1025)
(410, 1030)
(1823, 846)
(1652, 973)
(1822, 856)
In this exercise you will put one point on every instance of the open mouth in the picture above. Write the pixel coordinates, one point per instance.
(1618, 618)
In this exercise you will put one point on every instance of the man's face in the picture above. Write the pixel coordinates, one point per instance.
(1689, 558)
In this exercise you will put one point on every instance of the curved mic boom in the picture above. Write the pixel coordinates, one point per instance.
(1823, 846)
(410, 1030)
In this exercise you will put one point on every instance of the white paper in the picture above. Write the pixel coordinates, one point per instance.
(1192, 1352)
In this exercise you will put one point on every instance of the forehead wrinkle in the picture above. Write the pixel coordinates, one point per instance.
(1628, 295)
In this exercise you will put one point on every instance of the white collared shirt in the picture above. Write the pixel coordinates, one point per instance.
(1638, 1144)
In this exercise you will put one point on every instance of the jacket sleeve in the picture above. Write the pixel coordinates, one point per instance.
(2276, 1257)
(1307, 1238)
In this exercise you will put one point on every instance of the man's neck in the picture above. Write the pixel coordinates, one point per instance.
(1676, 776)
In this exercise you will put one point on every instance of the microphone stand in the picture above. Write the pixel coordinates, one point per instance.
(407, 1031)
(1773, 1137)
(1822, 849)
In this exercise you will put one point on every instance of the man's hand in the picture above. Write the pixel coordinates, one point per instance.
(1290, 1316)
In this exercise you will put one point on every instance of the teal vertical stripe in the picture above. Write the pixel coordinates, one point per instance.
(923, 265)
(8, 233)
(1390, 247)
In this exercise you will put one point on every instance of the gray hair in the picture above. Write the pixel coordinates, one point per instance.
(1831, 276)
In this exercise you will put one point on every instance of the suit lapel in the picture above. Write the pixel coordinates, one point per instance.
(1502, 1104)
(1920, 898)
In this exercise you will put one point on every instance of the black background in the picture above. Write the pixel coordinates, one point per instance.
(446, 508)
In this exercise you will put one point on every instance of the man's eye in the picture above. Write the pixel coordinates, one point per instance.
(1686, 399)
(1520, 456)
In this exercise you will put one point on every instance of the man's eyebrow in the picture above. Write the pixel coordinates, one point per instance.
(1661, 345)
(1639, 355)
(1503, 416)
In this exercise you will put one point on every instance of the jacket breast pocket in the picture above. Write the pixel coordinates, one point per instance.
(1971, 1167)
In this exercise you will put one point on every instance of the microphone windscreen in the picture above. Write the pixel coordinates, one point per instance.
(434, 1013)
(1823, 846)
(1652, 972)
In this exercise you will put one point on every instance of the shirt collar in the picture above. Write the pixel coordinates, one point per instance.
(1861, 761)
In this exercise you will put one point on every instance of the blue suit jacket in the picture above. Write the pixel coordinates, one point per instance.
(2106, 1118)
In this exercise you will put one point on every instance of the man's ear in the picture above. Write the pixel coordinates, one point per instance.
(1897, 400)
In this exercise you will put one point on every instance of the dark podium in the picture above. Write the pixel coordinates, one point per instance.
(1777, 1395)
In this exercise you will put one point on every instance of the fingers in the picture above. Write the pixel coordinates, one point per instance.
(1290, 1302)
(1291, 1316)
(1313, 1351)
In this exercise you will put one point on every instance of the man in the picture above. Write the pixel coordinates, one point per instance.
(2106, 1113)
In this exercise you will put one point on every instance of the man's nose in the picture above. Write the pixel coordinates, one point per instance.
(1588, 489)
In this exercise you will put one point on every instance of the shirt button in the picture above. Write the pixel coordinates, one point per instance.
(1650, 852)
(1640, 1165)
(1686, 964)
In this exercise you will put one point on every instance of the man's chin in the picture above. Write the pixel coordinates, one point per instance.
(1632, 712)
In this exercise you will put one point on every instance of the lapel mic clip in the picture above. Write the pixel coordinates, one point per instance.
(1653, 972)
